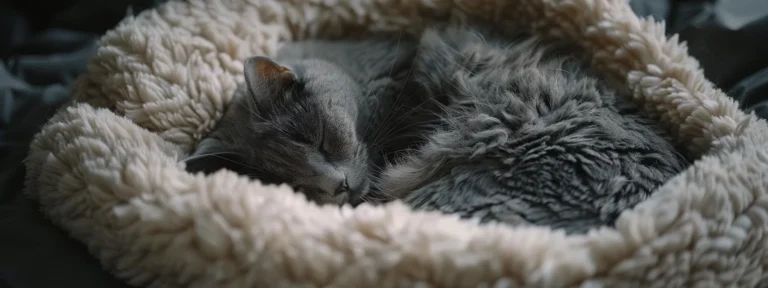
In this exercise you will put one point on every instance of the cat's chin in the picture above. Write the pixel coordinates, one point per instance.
(353, 197)
(324, 199)
(358, 197)
(355, 201)
(338, 199)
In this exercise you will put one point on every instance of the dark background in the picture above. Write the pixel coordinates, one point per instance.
(45, 45)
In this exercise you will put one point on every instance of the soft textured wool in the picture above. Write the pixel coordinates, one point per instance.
(106, 168)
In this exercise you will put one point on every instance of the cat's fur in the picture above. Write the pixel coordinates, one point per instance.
(515, 131)
(312, 116)
(527, 136)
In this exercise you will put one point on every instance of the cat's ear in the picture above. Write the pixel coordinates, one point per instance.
(265, 77)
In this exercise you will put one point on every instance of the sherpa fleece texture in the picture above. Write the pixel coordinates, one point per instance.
(105, 168)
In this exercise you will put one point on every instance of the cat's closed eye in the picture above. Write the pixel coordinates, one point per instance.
(303, 141)
(296, 125)
(326, 149)
(335, 147)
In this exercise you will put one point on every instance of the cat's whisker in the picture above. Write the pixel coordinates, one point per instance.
(388, 126)
(369, 199)
(254, 113)
(193, 157)
(389, 75)
(234, 161)
(400, 151)
(383, 143)
(384, 140)
(397, 98)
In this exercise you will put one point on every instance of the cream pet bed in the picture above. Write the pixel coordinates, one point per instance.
(105, 168)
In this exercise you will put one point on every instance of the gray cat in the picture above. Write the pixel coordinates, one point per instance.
(526, 136)
(312, 118)
(467, 122)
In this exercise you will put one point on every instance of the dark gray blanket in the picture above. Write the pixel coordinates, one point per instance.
(44, 46)
(43, 51)
(729, 40)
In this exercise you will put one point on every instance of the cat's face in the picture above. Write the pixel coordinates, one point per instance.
(296, 126)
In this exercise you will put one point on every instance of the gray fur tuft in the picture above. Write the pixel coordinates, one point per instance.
(526, 136)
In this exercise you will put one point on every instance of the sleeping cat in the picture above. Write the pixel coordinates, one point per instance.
(312, 116)
(480, 126)
(526, 136)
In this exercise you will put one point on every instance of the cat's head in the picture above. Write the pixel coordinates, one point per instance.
(296, 125)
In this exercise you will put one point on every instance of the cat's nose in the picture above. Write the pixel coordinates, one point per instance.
(343, 187)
